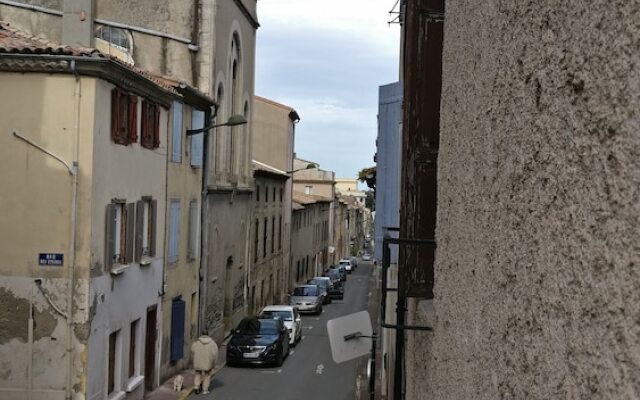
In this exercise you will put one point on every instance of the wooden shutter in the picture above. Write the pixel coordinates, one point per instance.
(176, 136)
(197, 122)
(193, 230)
(152, 227)
(133, 118)
(145, 140)
(130, 233)
(115, 116)
(109, 235)
(139, 229)
(156, 126)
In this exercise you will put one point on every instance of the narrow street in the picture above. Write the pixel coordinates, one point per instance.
(309, 372)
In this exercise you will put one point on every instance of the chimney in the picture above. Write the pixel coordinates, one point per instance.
(77, 23)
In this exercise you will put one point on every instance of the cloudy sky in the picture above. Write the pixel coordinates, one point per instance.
(326, 59)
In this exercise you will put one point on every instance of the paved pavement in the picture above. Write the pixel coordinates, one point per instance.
(166, 392)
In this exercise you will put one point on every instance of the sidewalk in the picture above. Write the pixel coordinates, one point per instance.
(166, 392)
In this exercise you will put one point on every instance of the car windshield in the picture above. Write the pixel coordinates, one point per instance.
(305, 291)
(345, 262)
(255, 326)
(281, 314)
(319, 282)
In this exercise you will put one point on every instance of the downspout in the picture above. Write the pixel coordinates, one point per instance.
(72, 239)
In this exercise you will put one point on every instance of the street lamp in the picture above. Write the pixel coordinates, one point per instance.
(233, 120)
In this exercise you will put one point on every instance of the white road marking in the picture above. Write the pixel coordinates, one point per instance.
(303, 338)
(319, 369)
(292, 352)
(307, 327)
(268, 372)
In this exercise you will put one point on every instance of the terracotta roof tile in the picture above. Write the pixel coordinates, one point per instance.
(14, 41)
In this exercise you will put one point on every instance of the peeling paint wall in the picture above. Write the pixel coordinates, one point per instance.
(537, 289)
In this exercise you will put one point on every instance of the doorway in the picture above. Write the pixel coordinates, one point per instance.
(150, 348)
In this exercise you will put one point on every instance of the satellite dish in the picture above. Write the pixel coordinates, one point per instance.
(350, 336)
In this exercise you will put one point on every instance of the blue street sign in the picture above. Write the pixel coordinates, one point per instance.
(51, 259)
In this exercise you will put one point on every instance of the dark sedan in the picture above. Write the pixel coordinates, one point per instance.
(258, 341)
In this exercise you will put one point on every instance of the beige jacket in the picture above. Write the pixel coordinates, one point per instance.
(204, 353)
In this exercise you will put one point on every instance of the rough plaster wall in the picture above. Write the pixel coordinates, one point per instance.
(537, 278)
(48, 349)
(158, 55)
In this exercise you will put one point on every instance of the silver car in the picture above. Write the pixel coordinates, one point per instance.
(307, 299)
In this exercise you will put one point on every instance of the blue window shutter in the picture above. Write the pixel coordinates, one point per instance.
(176, 144)
(197, 122)
(177, 329)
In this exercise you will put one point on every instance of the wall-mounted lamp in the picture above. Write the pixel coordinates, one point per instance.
(309, 166)
(233, 120)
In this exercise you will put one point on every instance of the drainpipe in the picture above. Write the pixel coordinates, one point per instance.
(72, 239)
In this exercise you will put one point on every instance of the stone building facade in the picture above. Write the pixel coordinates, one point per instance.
(536, 284)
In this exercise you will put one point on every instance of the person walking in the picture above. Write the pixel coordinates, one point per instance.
(204, 353)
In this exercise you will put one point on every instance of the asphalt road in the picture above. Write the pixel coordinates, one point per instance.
(309, 372)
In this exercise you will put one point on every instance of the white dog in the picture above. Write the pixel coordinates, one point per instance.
(178, 381)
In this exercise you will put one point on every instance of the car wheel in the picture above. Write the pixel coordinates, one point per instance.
(280, 359)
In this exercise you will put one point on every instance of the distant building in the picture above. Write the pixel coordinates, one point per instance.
(273, 141)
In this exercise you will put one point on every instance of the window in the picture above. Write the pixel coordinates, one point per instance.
(120, 230)
(115, 36)
(134, 358)
(264, 238)
(257, 193)
(308, 190)
(256, 241)
(176, 136)
(146, 228)
(273, 234)
(280, 233)
(113, 380)
(266, 194)
(197, 141)
(150, 125)
(192, 251)
(174, 231)
(124, 110)
(273, 198)
(281, 192)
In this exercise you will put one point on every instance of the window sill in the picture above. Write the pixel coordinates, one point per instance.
(118, 269)
(119, 395)
(134, 382)
(145, 261)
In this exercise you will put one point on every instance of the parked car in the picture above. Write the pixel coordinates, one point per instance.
(366, 257)
(347, 265)
(342, 270)
(334, 275)
(325, 286)
(258, 341)
(336, 291)
(307, 299)
(291, 318)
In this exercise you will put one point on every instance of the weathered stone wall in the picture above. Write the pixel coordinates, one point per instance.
(536, 281)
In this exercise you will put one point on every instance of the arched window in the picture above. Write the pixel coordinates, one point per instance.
(219, 162)
(235, 70)
(115, 36)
